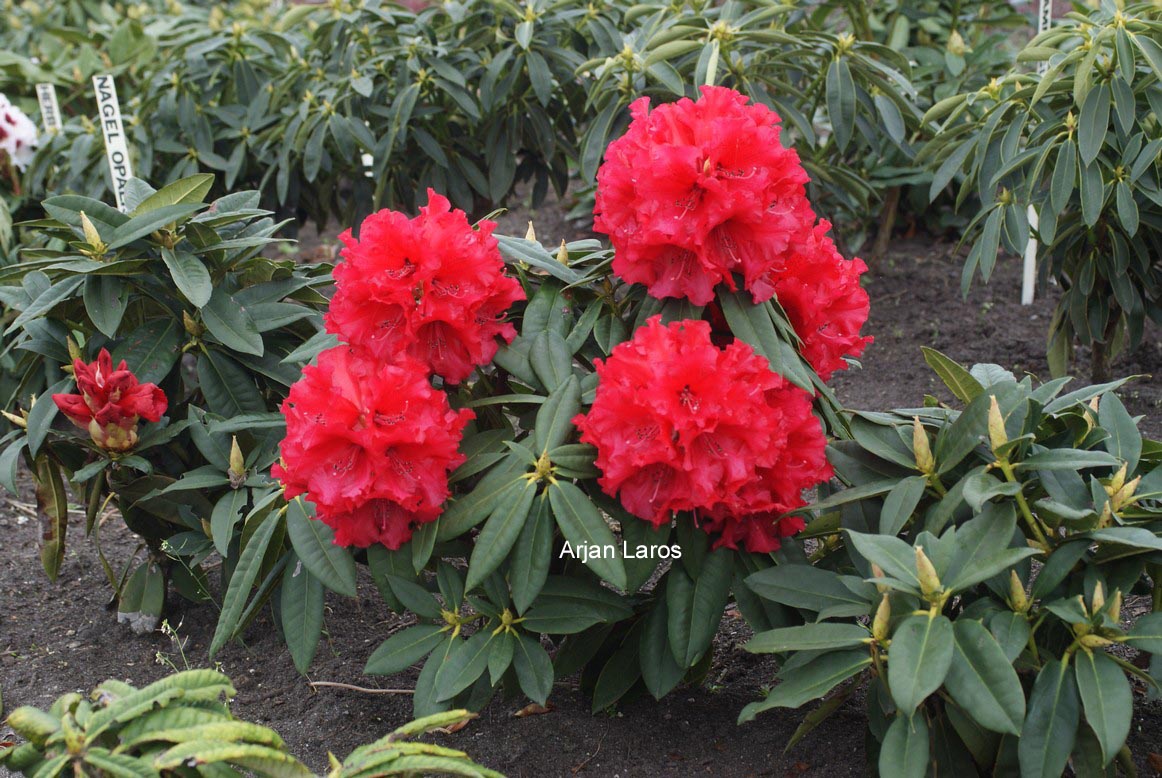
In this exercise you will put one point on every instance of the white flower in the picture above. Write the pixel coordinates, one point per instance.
(18, 136)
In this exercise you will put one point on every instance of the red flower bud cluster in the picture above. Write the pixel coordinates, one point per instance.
(111, 402)
(698, 191)
(369, 440)
(371, 444)
(431, 287)
(682, 425)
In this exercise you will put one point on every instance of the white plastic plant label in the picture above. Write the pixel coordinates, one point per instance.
(50, 110)
(116, 148)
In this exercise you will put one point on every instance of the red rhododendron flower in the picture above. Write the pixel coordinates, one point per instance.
(695, 191)
(681, 425)
(371, 444)
(111, 402)
(431, 287)
(821, 293)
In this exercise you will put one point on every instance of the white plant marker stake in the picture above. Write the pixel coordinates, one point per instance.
(116, 149)
(50, 110)
(1029, 272)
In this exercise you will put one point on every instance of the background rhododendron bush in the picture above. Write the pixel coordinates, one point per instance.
(509, 434)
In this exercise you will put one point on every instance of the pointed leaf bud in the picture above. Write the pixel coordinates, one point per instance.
(237, 464)
(1125, 495)
(923, 452)
(1092, 641)
(956, 44)
(17, 420)
(997, 435)
(882, 619)
(878, 572)
(926, 572)
(1117, 481)
(74, 349)
(92, 237)
(1099, 598)
(193, 328)
(563, 254)
(1017, 598)
(1115, 609)
(531, 234)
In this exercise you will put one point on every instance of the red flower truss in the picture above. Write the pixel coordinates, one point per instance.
(696, 191)
(111, 402)
(681, 425)
(821, 293)
(371, 444)
(431, 287)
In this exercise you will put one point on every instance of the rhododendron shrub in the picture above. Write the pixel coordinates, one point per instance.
(661, 400)
(552, 458)
(146, 355)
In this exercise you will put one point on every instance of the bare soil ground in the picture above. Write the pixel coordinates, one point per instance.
(58, 638)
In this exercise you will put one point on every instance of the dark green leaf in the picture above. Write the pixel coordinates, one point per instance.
(904, 752)
(532, 556)
(106, 298)
(243, 578)
(554, 424)
(921, 653)
(810, 681)
(582, 525)
(231, 324)
(301, 607)
(314, 542)
(1051, 724)
(467, 663)
(1107, 700)
(500, 533)
(981, 679)
(404, 649)
(823, 636)
(695, 606)
(534, 669)
(189, 275)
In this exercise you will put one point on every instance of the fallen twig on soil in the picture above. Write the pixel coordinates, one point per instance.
(589, 759)
(364, 689)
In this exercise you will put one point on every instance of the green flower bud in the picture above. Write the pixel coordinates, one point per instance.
(997, 435)
(925, 463)
(926, 572)
(1017, 598)
(882, 619)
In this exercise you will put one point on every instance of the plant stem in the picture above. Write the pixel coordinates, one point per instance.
(887, 223)
(1034, 525)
